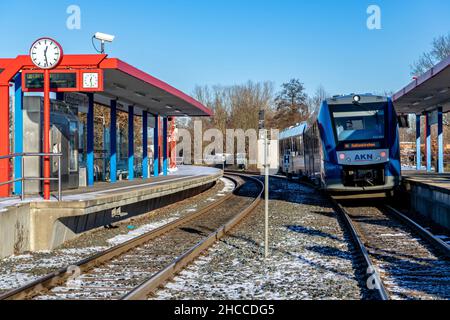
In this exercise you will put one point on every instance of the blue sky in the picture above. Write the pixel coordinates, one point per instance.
(207, 42)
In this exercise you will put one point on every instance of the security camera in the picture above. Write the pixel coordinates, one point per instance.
(104, 37)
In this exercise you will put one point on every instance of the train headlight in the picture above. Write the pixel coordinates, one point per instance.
(356, 99)
(383, 154)
(342, 156)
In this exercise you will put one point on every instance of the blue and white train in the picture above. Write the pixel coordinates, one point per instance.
(351, 145)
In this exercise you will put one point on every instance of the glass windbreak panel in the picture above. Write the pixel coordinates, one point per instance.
(73, 147)
(360, 125)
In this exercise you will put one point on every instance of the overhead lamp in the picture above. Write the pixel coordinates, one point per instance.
(428, 98)
(356, 99)
(140, 94)
(156, 100)
(168, 107)
(119, 86)
(416, 103)
(443, 90)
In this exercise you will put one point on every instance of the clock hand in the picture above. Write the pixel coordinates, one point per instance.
(45, 55)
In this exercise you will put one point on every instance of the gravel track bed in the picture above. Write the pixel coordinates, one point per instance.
(122, 274)
(16, 271)
(409, 267)
(311, 257)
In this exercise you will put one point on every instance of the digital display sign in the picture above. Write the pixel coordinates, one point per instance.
(368, 145)
(66, 80)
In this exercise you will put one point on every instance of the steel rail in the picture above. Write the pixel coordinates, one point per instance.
(59, 277)
(379, 286)
(437, 243)
(158, 280)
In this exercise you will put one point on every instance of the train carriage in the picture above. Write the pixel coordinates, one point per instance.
(292, 153)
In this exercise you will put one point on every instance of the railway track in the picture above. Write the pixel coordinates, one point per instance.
(137, 268)
(403, 260)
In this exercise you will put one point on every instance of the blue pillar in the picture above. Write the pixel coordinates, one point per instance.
(156, 148)
(130, 143)
(428, 137)
(60, 96)
(165, 147)
(144, 145)
(113, 142)
(90, 140)
(418, 149)
(440, 167)
(18, 131)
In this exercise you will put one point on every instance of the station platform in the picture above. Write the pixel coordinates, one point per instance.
(429, 195)
(35, 224)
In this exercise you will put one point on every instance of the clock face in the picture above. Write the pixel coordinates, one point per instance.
(90, 80)
(46, 53)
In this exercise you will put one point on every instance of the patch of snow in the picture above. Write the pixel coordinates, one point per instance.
(140, 231)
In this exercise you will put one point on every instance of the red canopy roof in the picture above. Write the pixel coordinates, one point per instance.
(122, 81)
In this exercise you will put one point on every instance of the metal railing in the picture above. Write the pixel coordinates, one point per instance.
(23, 179)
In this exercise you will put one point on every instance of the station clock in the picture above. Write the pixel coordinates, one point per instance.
(90, 80)
(46, 53)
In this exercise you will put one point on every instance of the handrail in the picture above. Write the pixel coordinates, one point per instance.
(23, 179)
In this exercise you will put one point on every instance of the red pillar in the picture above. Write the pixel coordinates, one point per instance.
(46, 134)
(5, 169)
(172, 145)
(160, 145)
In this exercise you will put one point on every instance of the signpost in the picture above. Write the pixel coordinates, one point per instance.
(266, 183)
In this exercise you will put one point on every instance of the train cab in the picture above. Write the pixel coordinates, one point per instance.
(359, 144)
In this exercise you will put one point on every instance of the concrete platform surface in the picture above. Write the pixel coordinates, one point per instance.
(106, 188)
(429, 195)
(436, 180)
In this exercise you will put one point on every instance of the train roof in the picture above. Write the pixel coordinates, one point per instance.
(348, 99)
(293, 131)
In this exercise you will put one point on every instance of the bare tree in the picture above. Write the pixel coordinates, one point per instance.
(315, 101)
(440, 51)
(234, 107)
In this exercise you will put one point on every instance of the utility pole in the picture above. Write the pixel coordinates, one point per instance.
(266, 182)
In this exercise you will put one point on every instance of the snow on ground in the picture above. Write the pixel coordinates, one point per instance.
(309, 257)
(140, 231)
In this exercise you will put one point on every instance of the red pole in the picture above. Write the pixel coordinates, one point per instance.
(4, 140)
(160, 144)
(46, 134)
(173, 145)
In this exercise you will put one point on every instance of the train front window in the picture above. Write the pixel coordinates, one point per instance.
(360, 125)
